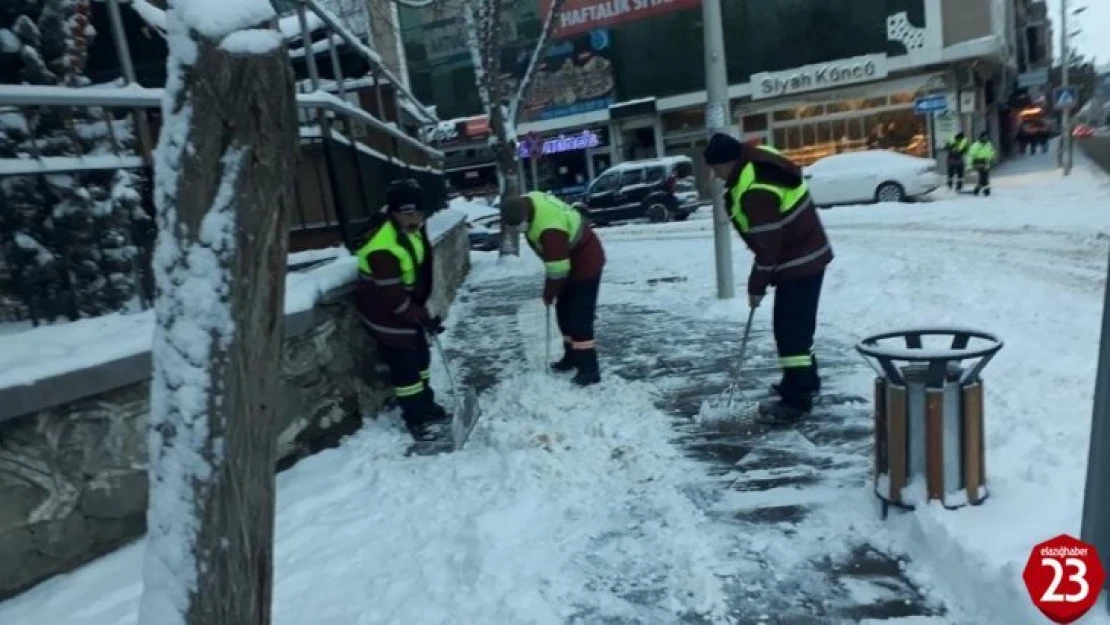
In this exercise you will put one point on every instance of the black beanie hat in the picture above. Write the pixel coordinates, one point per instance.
(722, 149)
(404, 196)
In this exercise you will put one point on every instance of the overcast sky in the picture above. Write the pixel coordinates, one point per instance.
(1094, 24)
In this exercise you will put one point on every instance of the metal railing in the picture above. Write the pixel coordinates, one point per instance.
(348, 155)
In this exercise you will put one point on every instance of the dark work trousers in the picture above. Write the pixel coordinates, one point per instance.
(795, 321)
(575, 310)
(956, 173)
(408, 374)
(984, 183)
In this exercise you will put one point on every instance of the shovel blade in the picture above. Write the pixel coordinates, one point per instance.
(464, 418)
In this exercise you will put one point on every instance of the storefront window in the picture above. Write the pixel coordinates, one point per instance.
(905, 97)
(816, 110)
(784, 115)
(687, 120)
(755, 123)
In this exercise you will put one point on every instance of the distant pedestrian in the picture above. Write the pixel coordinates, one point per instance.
(982, 155)
(769, 204)
(956, 150)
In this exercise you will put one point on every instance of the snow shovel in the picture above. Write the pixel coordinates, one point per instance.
(740, 359)
(466, 411)
(547, 342)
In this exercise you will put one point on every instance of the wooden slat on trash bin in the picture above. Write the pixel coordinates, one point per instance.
(881, 465)
(974, 469)
(934, 444)
(897, 443)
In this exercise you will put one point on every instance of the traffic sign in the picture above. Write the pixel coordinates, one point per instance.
(1065, 97)
(1035, 78)
(933, 103)
(1064, 577)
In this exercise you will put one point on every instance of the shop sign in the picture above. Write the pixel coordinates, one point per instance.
(574, 77)
(579, 16)
(534, 146)
(819, 76)
(446, 39)
(477, 127)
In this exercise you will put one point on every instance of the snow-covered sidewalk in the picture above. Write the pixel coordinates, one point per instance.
(571, 506)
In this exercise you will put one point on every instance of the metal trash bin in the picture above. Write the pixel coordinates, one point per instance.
(929, 434)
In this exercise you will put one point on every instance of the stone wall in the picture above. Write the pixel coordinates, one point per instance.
(73, 482)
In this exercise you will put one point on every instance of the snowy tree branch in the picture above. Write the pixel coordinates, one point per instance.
(416, 4)
(537, 54)
(472, 20)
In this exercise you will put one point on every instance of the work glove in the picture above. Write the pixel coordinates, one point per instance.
(433, 325)
(548, 300)
(755, 300)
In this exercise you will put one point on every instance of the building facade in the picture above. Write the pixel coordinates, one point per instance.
(624, 79)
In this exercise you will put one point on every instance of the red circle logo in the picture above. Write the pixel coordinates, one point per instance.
(1064, 577)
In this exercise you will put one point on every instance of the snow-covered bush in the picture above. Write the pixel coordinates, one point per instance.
(68, 239)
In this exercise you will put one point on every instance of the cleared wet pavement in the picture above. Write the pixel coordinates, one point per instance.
(765, 482)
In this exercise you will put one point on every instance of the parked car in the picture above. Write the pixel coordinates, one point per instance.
(485, 233)
(871, 176)
(660, 189)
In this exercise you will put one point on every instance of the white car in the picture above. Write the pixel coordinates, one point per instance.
(870, 176)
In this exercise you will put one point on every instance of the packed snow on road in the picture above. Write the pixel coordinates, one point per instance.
(586, 505)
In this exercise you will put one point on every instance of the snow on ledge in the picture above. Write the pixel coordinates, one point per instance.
(52, 350)
(442, 222)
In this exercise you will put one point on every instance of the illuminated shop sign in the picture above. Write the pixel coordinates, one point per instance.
(819, 76)
(557, 145)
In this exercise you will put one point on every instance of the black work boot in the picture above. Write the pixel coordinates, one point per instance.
(567, 363)
(804, 380)
(588, 371)
(420, 423)
(434, 409)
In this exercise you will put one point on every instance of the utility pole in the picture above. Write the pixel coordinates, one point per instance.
(1065, 58)
(1096, 506)
(717, 116)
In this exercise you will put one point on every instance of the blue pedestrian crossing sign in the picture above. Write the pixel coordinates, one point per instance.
(932, 103)
(1065, 97)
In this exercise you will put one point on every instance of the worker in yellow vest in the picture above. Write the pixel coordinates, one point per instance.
(982, 155)
(769, 205)
(956, 149)
(573, 259)
(395, 283)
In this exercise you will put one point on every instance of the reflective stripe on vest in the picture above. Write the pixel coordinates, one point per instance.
(789, 199)
(551, 213)
(388, 239)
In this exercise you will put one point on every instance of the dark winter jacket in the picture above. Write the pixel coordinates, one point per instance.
(395, 282)
(770, 206)
(564, 242)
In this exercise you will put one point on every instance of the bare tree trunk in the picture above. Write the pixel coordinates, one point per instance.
(225, 166)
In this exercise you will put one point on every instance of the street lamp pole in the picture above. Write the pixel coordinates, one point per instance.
(1065, 59)
(717, 116)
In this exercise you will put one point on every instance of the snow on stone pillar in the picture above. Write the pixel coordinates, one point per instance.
(929, 427)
